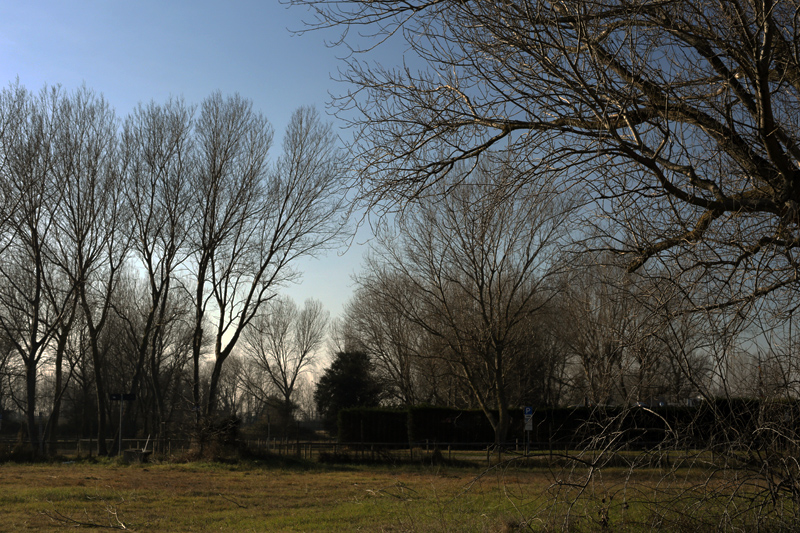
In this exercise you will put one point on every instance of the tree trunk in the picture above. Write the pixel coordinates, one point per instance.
(52, 423)
(503, 422)
(100, 392)
(61, 347)
(30, 404)
(155, 378)
(197, 341)
(156, 348)
(211, 399)
(287, 415)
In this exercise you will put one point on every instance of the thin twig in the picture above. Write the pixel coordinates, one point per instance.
(58, 516)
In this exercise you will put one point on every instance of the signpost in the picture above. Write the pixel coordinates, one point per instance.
(120, 397)
(528, 427)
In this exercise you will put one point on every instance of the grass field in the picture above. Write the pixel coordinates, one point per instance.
(255, 496)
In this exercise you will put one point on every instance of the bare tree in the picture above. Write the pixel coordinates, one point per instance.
(157, 146)
(629, 341)
(232, 388)
(406, 357)
(6, 364)
(470, 267)
(13, 102)
(602, 329)
(61, 295)
(540, 375)
(679, 118)
(254, 221)
(90, 226)
(304, 401)
(34, 305)
(232, 144)
(283, 342)
(397, 346)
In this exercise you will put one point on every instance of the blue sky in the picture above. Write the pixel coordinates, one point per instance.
(148, 50)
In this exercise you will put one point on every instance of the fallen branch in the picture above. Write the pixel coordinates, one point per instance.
(58, 516)
(233, 501)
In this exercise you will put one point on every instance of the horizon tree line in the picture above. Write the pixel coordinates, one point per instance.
(165, 247)
(136, 235)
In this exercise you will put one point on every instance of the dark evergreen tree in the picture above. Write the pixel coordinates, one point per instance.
(348, 382)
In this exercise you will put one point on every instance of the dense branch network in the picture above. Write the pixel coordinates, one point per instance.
(677, 117)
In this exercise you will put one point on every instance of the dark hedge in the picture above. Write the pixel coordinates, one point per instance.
(719, 421)
(373, 424)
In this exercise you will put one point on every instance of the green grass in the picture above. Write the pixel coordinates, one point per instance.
(265, 496)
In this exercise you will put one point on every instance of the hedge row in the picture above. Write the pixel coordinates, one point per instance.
(709, 422)
(368, 424)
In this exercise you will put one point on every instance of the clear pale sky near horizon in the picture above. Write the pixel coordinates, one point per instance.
(146, 50)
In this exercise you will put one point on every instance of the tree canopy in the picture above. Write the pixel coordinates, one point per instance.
(348, 382)
(678, 117)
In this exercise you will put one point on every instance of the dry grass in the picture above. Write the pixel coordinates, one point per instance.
(252, 497)
(205, 497)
